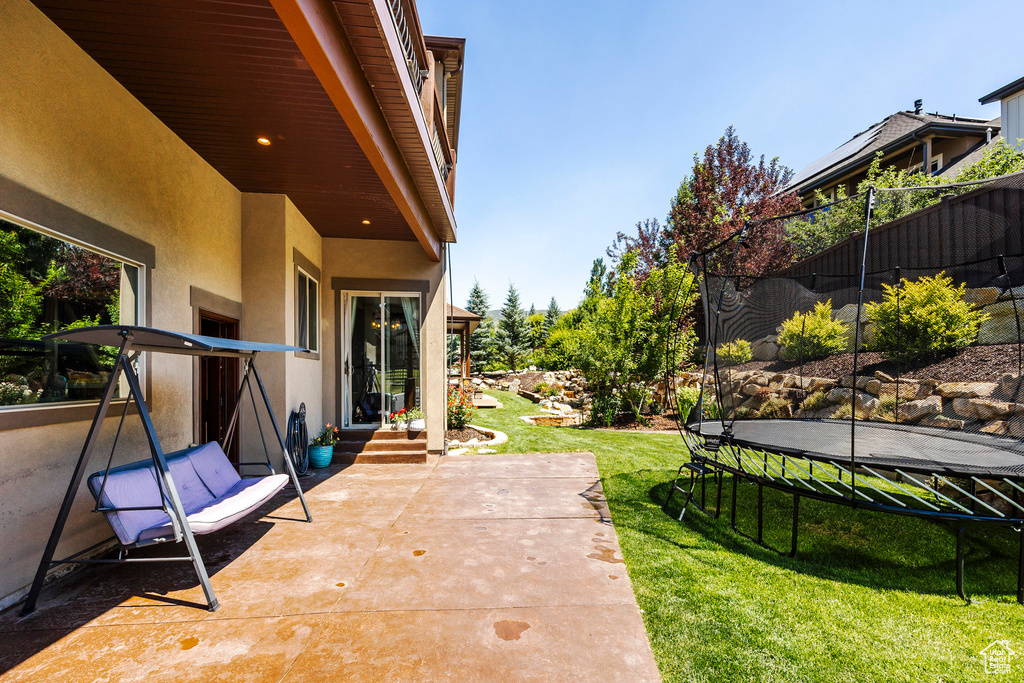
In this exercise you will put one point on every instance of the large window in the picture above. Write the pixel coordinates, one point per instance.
(49, 284)
(307, 310)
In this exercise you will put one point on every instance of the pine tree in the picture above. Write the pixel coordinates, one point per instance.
(512, 340)
(481, 342)
(552, 316)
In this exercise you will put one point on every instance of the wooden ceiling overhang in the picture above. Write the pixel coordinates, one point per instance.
(222, 74)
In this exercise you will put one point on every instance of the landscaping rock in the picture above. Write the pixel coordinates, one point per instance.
(1016, 293)
(909, 390)
(996, 427)
(982, 296)
(912, 411)
(983, 408)
(820, 384)
(1010, 385)
(942, 421)
(765, 349)
(884, 378)
(1001, 326)
(873, 386)
(843, 396)
(966, 389)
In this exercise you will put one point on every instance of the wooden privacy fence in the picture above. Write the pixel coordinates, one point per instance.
(952, 235)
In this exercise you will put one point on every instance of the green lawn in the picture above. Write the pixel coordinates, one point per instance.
(869, 597)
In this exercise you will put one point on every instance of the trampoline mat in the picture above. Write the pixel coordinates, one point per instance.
(885, 445)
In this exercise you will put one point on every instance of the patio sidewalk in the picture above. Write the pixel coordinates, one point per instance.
(477, 567)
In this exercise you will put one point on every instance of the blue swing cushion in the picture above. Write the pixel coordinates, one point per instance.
(211, 492)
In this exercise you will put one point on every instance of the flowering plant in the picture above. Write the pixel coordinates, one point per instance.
(460, 408)
(328, 436)
(399, 415)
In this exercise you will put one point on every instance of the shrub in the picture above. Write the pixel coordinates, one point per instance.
(843, 412)
(813, 335)
(774, 408)
(816, 401)
(932, 319)
(686, 399)
(734, 353)
(886, 409)
(605, 409)
(460, 408)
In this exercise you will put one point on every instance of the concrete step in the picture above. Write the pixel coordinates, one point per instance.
(380, 458)
(382, 445)
(353, 435)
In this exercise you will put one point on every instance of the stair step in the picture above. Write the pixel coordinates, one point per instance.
(378, 446)
(380, 458)
(352, 435)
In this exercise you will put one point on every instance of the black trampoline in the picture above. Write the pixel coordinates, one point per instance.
(839, 377)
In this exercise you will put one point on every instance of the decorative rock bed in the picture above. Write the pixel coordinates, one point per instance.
(496, 439)
(988, 407)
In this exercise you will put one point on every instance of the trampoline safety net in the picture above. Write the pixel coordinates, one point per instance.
(883, 366)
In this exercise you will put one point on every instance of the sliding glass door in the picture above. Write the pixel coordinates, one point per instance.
(381, 368)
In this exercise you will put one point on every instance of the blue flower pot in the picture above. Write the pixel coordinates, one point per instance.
(320, 456)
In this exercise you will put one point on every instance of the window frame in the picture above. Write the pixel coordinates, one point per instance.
(304, 268)
(33, 211)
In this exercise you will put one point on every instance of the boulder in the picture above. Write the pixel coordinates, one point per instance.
(1016, 427)
(983, 296)
(765, 349)
(942, 421)
(908, 389)
(884, 378)
(983, 408)
(966, 389)
(1001, 326)
(873, 386)
(996, 427)
(1015, 293)
(842, 396)
(862, 381)
(912, 411)
(820, 384)
(1010, 385)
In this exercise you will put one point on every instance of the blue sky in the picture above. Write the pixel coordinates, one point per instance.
(581, 118)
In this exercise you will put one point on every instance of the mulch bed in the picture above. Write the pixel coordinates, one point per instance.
(655, 423)
(465, 434)
(528, 381)
(973, 364)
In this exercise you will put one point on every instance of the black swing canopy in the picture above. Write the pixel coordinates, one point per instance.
(168, 496)
(880, 367)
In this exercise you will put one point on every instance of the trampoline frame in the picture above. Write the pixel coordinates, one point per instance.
(909, 490)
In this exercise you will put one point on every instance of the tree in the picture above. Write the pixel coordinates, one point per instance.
(481, 342)
(20, 300)
(512, 339)
(650, 245)
(535, 321)
(551, 316)
(726, 189)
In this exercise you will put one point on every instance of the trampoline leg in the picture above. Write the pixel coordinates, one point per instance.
(1020, 569)
(720, 475)
(760, 513)
(732, 509)
(960, 564)
(796, 517)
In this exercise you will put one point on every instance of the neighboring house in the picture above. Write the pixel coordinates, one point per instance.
(272, 170)
(1011, 110)
(906, 139)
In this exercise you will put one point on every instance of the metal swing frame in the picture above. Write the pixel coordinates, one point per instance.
(170, 502)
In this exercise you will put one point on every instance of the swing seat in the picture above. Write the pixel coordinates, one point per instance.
(212, 494)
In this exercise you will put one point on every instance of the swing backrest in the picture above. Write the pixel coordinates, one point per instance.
(201, 474)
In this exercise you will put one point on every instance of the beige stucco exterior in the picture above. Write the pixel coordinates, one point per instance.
(73, 134)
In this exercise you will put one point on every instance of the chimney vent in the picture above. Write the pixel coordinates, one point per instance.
(918, 106)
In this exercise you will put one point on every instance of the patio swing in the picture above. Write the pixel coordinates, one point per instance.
(167, 496)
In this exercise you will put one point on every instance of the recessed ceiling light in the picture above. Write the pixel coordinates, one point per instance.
(263, 141)
(366, 221)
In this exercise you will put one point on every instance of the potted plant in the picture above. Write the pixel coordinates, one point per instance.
(398, 419)
(417, 420)
(321, 448)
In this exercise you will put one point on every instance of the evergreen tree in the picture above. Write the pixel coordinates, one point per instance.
(481, 342)
(512, 340)
(552, 316)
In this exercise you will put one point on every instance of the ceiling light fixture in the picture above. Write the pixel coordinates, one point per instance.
(366, 221)
(263, 141)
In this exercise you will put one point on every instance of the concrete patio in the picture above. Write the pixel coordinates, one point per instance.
(480, 567)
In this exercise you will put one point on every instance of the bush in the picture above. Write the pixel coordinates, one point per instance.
(605, 409)
(686, 399)
(734, 353)
(813, 335)
(774, 408)
(460, 408)
(816, 401)
(932, 319)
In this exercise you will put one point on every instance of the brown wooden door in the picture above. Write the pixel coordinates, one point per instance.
(218, 384)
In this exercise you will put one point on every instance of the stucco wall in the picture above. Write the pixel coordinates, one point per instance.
(73, 134)
(376, 259)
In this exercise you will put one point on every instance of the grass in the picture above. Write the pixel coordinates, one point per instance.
(869, 597)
